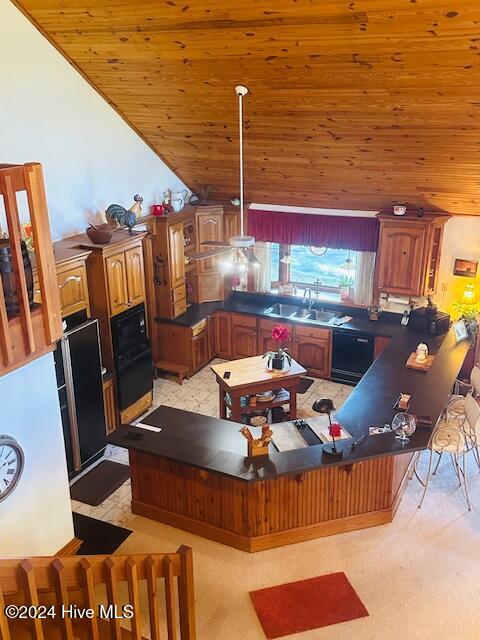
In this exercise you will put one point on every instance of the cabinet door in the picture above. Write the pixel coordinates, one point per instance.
(223, 334)
(200, 350)
(135, 275)
(400, 259)
(176, 254)
(210, 228)
(380, 343)
(231, 225)
(312, 349)
(265, 342)
(109, 403)
(244, 342)
(73, 289)
(117, 283)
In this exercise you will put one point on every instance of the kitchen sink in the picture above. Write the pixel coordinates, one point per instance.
(322, 316)
(284, 310)
(300, 312)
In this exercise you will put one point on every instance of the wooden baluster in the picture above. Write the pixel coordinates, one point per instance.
(186, 595)
(31, 596)
(13, 221)
(151, 573)
(112, 596)
(61, 592)
(132, 580)
(47, 279)
(4, 630)
(170, 598)
(5, 340)
(86, 573)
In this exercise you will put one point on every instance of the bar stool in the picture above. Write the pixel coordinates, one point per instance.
(449, 438)
(455, 407)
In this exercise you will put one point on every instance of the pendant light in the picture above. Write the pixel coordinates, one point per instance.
(348, 265)
(242, 242)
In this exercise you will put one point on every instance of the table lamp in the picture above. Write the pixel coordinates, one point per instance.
(469, 296)
(325, 405)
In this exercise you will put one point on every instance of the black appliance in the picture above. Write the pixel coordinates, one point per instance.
(352, 356)
(78, 368)
(423, 319)
(132, 356)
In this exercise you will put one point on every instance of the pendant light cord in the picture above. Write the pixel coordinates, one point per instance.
(240, 125)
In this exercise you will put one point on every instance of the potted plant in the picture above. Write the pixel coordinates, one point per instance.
(470, 313)
(276, 359)
(345, 283)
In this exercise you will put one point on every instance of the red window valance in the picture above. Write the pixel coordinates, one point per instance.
(335, 232)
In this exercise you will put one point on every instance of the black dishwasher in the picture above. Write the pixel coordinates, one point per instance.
(352, 355)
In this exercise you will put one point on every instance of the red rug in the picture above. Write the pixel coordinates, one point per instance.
(307, 604)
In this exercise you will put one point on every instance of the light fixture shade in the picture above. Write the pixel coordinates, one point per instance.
(469, 296)
(348, 265)
(242, 242)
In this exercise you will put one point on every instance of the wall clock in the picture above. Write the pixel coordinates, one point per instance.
(12, 462)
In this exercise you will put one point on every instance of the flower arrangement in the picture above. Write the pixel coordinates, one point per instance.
(276, 359)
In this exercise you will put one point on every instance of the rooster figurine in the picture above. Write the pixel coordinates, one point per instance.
(118, 216)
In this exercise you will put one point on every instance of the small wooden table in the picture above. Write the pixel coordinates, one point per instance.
(249, 376)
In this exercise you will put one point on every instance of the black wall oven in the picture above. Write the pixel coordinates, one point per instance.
(132, 356)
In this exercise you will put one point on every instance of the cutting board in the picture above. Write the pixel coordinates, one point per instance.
(419, 366)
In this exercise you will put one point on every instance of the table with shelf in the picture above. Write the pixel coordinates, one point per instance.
(250, 376)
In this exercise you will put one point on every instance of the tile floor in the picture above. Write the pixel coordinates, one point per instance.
(198, 394)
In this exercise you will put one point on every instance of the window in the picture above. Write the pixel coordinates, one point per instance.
(325, 271)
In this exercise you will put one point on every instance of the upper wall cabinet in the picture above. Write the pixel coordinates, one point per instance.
(408, 255)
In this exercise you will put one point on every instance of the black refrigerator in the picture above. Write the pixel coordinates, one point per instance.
(79, 379)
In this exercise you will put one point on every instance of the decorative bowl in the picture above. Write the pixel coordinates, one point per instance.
(102, 234)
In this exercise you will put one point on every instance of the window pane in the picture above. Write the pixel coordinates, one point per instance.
(275, 262)
(306, 267)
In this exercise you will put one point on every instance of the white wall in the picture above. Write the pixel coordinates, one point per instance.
(91, 158)
(461, 240)
(36, 518)
(49, 114)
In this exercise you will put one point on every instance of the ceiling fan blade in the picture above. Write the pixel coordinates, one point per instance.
(214, 243)
(212, 253)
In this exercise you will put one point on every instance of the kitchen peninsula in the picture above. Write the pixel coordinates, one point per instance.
(194, 473)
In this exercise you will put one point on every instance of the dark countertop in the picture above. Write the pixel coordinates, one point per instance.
(216, 445)
(255, 304)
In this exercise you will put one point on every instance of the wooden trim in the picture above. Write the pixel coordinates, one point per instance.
(70, 549)
(136, 409)
(87, 79)
(269, 541)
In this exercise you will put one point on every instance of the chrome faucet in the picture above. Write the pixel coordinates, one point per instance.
(310, 301)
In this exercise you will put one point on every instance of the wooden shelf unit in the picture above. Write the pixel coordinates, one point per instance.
(35, 330)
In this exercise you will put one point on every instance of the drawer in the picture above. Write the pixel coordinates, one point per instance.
(179, 307)
(267, 325)
(136, 409)
(198, 328)
(73, 288)
(312, 332)
(179, 293)
(239, 320)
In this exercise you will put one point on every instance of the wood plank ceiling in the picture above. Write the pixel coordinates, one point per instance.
(353, 104)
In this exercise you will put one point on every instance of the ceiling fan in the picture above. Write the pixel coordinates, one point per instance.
(242, 244)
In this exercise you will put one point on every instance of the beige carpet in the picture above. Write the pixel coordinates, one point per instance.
(419, 577)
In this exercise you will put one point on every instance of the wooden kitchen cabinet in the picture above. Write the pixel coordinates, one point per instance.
(380, 343)
(244, 336)
(209, 228)
(109, 403)
(200, 350)
(265, 342)
(408, 256)
(117, 283)
(135, 275)
(73, 288)
(223, 334)
(176, 255)
(312, 348)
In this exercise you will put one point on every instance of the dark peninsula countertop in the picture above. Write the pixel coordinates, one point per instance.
(216, 445)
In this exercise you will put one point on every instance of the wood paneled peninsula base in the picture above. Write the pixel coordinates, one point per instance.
(194, 475)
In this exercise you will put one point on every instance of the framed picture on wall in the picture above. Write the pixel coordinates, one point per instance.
(465, 268)
(460, 330)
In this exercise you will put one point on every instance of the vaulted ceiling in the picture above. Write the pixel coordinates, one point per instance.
(352, 104)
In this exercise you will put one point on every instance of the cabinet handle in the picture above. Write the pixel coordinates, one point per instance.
(210, 221)
(69, 279)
